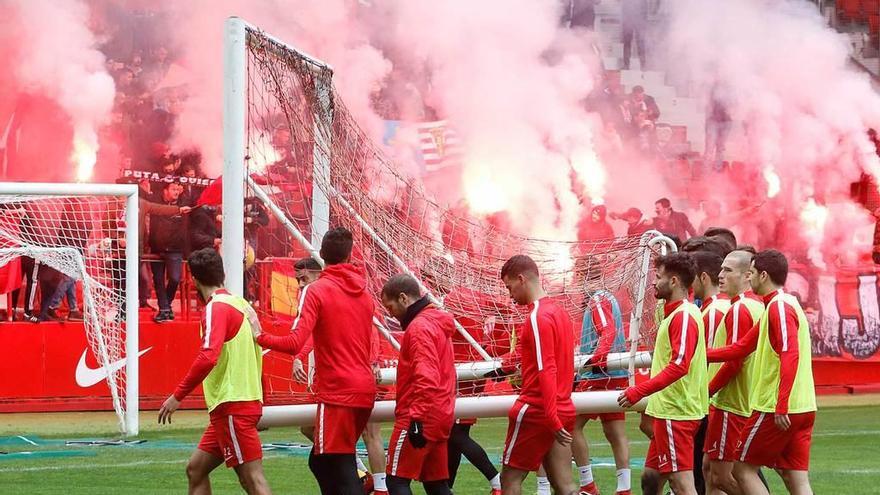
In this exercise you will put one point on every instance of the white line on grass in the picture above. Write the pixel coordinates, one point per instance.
(102, 466)
(26, 440)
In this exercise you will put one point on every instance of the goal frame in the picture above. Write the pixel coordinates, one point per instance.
(233, 249)
(129, 424)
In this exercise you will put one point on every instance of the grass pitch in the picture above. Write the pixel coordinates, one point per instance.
(845, 454)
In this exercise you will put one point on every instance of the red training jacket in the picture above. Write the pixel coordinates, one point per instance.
(426, 378)
(786, 346)
(337, 313)
(548, 361)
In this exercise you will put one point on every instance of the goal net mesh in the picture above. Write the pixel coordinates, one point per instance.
(71, 247)
(295, 119)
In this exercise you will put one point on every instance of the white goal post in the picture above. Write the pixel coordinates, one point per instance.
(93, 266)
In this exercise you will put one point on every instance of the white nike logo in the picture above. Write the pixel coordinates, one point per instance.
(86, 376)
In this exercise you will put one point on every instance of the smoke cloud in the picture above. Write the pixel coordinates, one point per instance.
(62, 61)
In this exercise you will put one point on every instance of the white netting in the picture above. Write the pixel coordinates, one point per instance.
(297, 124)
(70, 253)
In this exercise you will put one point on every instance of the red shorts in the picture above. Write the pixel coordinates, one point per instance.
(672, 448)
(233, 438)
(723, 434)
(612, 383)
(529, 439)
(430, 463)
(763, 444)
(338, 428)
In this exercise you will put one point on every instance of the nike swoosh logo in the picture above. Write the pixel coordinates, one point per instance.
(86, 376)
(265, 351)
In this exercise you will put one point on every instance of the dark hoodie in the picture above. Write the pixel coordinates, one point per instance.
(337, 311)
(426, 377)
(589, 230)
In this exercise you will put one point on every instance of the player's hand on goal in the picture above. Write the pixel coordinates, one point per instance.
(254, 321)
(299, 372)
(623, 400)
(168, 407)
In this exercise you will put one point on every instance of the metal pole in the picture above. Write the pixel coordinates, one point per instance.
(298, 235)
(648, 240)
(234, 112)
(403, 267)
(492, 406)
(132, 331)
(477, 369)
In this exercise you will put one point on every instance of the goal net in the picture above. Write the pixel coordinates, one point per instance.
(60, 238)
(309, 164)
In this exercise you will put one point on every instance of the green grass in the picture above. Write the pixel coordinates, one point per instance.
(846, 449)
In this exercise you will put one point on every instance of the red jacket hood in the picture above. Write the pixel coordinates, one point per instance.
(347, 276)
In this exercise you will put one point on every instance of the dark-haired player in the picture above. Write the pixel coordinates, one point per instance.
(337, 311)
(782, 397)
(229, 367)
(677, 390)
(542, 418)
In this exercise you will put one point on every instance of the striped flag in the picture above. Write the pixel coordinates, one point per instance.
(440, 146)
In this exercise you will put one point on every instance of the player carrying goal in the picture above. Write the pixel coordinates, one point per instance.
(229, 367)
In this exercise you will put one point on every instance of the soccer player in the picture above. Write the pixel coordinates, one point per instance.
(729, 407)
(461, 444)
(426, 382)
(677, 390)
(229, 367)
(543, 416)
(337, 311)
(307, 270)
(602, 333)
(781, 393)
(713, 307)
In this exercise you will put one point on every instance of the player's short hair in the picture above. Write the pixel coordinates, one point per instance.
(664, 202)
(702, 243)
(709, 263)
(747, 248)
(336, 245)
(519, 264)
(401, 284)
(307, 263)
(723, 234)
(681, 265)
(206, 266)
(774, 263)
(675, 240)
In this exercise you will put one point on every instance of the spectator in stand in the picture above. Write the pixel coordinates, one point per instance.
(167, 242)
(255, 218)
(579, 13)
(634, 19)
(643, 104)
(596, 226)
(669, 221)
(203, 230)
(718, 123)
(712, 208)
(189, 192)
(636, 224)
(74, 231)
(170, 165)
